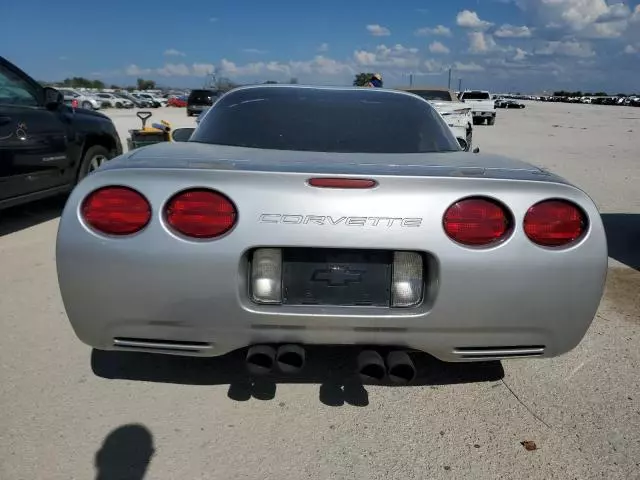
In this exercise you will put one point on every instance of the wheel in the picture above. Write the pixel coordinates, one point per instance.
(93, 158)
(118, 105)
(87, 105)
(477, 120)
(491, 121)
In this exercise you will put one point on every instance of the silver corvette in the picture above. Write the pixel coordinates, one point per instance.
(298, 216)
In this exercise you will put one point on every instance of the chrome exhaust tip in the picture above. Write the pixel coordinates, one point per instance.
(290, 358)
(371, 367)
(400, 367)
(260, 359)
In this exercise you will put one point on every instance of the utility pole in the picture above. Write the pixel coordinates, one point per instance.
(459, 84)
(449, 78)
(411, 79)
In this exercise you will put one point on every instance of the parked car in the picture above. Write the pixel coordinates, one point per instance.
(134, 101)
(46, 147)
(156, 102)
(456, 113)
(297, 216)
(199, 100)
(83, 100)
(145, 102)
(508, 103)
(482, 106)
(180, 101)
(114, 101)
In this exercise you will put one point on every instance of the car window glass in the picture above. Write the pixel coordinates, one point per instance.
(433, 94)
(325, 121)
(476, 96)
(16, 91)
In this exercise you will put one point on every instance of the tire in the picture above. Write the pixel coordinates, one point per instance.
(87, 105)
(93, 158)
(118, 105)
(491, 121)
(477, 120)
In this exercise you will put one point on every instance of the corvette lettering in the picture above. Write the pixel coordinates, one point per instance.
(348, 221)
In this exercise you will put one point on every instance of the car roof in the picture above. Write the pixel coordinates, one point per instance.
(433, 89)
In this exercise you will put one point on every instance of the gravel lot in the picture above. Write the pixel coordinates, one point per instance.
(67, 414)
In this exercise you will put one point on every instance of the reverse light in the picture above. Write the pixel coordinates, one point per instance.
(266, 275)
(407, 279)
(116, 210)
(201, 213)
(477, 222)
(554, 223)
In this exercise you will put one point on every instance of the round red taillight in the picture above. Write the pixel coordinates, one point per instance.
(116, 210)
(477, 221)
(554, 223)
(201, 213)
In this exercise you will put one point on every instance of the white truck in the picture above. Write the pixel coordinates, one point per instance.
(482, 106)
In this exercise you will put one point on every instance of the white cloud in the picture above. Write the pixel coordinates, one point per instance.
(520, 55)
(630, 49)
(580, 18)
(437, 47)
(324, 47)
(202, 69)
(378, 30)
(395, 56)
(174, 70)
(173, 52)
(481, 43)
(467, 67)
(511, 31)
(439, 30)
(319, 65)
(170, 70)
(469, 19)
(213, 19)
(568, 49)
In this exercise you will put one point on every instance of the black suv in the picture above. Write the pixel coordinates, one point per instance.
(200, 100)
(46, 147)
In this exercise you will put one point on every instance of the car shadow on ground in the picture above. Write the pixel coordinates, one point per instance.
(332, 368)
(31, 214)
(623, 237)
(125, 453)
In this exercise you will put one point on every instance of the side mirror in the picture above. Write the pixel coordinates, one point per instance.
(463, 143)
(182, 134)
(52, 98)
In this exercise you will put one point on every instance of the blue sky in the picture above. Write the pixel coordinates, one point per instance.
(515, 45)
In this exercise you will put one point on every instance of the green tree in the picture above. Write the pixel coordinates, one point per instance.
(361, 79)
(293, 80)
(145, 84)
(270, 82)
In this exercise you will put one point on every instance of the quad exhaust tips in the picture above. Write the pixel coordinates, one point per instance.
(261, 359)
(371, 367)
(290, 358)
(398, 367)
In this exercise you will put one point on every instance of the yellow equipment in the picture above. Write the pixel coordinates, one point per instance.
(156, 133)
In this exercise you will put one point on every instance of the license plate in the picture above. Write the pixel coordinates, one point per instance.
(336, 277)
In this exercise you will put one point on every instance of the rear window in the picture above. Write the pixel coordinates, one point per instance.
(325, 120)
(476, 96)
(438, 95)
(201, 95)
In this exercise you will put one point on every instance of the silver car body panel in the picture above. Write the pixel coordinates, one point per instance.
(164, 293)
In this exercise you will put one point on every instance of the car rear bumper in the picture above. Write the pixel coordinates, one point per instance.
(483, 114)
(499, 302)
